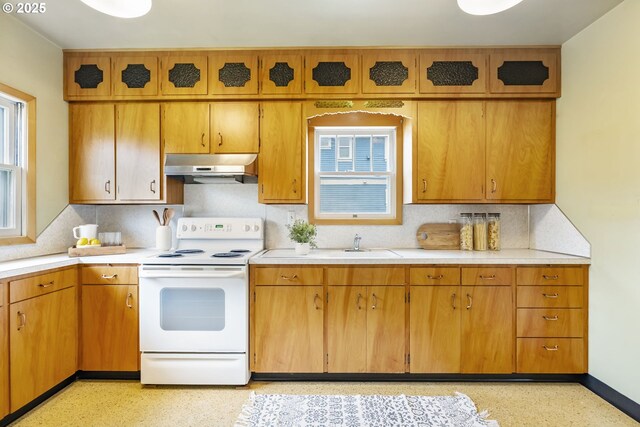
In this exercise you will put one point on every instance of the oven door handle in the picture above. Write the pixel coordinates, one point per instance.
(176, 274)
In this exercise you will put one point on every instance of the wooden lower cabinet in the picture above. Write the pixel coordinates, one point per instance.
(4, 351)
(109, 328)
(43, 344)
(288, 329)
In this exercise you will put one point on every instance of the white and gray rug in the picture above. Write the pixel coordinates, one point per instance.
(284, 410)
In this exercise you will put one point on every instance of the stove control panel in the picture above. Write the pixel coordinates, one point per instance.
(220, 228)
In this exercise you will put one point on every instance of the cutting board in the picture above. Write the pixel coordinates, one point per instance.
(439, 236)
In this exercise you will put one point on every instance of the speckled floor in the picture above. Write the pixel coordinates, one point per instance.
(127, 403)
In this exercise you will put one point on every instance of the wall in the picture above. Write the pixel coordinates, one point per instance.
(32, 64)
(598, 183)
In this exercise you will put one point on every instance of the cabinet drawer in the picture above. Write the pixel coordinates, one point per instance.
(544, 322)
(435, 276)
(41, 284)
(550, 296)
(539, 276)
(550, 355)
(109, 275)
(492, 276)
(365, 276)
(288, 276)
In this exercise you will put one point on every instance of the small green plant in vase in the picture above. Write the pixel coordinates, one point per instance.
(304, 236)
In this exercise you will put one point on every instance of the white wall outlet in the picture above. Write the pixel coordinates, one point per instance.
(291, 217)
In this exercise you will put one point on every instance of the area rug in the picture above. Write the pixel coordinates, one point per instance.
(361, 410)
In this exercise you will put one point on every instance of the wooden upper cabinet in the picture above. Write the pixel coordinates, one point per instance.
(233, 73)
(185, 127)
(138, 151)
(281, 160)
(388, 72)
(88, 75)
(450, 151)
(135, 75)
(525, 71)
(184, 75)
(332, 73)
(234, 127)
(453, 72)
(281, 74)
(520, 152)
(92, 175)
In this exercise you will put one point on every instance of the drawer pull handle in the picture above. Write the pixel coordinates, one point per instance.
(113, 276)
(453, 300)
(550, 295)
(375, 302)
(547, 277)
(46, 285)
(424, 185)
(493, 276)
(128, 300)
(550, 317)
(152, 186)
(358, 298)
(470, 302)
(315, 298)
(22, 320)
(438, 277)
(494, 185)
(554, 348)
(292, 277)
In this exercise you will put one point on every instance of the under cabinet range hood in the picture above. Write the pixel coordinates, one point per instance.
(212, 168)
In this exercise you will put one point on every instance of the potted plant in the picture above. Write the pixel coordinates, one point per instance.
(303, 234)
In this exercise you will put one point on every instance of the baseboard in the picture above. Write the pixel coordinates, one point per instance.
(572, 378)
(108, 375)
(617, 399)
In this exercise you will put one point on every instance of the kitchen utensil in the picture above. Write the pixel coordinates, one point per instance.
(170, 213)
(439, 236)
(90, 231)
(164, 217)
(157, 215)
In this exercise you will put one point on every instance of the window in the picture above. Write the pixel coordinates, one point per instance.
(17, 149)
(355, 171)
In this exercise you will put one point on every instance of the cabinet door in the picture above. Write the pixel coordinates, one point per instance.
(281, 74)
(520, 151)
(450, 159)
(43, 344)
(525, 71)
(233, 73)
(234, 127)
(92, 153)
(281, 169)
(288, 329)
(109, 328)
(185, 127)
(184, 75)
(135, 75)
(4, 351)
(347, 329)
(385, 329)
(138, 151)
(435, 329)
(330, 73)
(88, 76)
(388, 72)
(453, 71)
(487, 330)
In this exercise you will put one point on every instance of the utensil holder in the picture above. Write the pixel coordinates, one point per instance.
(163, 237)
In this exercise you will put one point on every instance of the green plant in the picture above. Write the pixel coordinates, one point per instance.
(302, 232)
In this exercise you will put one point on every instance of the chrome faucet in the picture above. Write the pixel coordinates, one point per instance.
(356, 242)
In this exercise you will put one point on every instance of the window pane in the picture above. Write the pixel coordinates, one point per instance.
(353, 194)
(327, 155)
(363, 154)
(379, 151)
(344, 147)
(4, 149)
(6, 199)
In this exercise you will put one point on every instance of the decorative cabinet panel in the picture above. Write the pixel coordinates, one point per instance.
(4, 351)
(234, 127)
(184, 75)
(450, 151)
(523, 71)
(185, 127)
(234, 74)
(328, 73)
(282, 153)
(388, 72)
(88, 76)
(281, 74)
(453, 72)
(135, 75)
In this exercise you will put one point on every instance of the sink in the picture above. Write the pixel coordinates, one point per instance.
(348, 253)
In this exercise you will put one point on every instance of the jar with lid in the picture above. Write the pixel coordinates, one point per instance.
(480, 231)
(493, 231)
(466, 232)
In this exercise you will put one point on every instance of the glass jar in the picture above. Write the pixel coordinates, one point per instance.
(480, 231)
(466, 232)
(493, 231)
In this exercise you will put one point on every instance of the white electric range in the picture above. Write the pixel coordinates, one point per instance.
(194, 304)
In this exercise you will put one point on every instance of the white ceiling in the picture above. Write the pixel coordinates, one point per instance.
(270, 23)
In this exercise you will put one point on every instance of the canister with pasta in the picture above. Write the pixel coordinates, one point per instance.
(493, 231)
(480, 231)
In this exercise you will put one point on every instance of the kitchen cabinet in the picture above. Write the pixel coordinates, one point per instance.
(449, 158)
(453, 71)
(525, 71)
(388, 71)
(48, 321)
(135, 76)
(184, 74)
(109, 309)
(234, 73)
(281, 74)
(234, 127)
(4, 351)
(281, 168)
(329, 73)
(185, 127)
(87, 76)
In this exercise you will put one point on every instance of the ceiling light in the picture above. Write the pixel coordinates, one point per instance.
(120, 8)
(485, 7)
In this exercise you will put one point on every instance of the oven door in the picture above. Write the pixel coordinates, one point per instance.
(195, 309)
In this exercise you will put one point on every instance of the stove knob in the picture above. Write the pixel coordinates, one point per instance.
(256, 227)
(247, 227)
(194, 228)
(184, 227)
